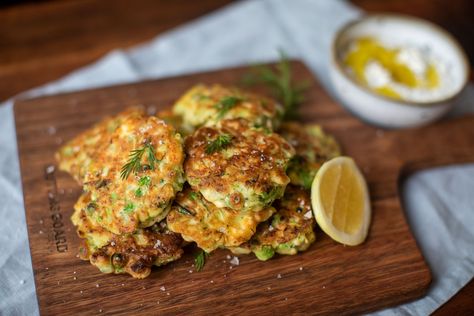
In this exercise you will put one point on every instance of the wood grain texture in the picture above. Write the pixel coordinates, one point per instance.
(387, 269)
(40, 42)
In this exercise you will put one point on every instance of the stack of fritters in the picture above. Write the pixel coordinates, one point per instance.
(235, 190)
(248, 177)
(122, 201)
(235, 166)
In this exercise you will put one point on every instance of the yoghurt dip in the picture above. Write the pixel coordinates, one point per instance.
(406, 72)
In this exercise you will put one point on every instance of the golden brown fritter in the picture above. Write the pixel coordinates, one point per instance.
(76, 155)
(204, 105)
(237, 166)
(152, 152)
(212, 227)
(313, 147)
(133, 253)
(289, 230)
(174, 120)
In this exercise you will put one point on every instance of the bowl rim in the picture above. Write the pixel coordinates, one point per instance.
(433, 27)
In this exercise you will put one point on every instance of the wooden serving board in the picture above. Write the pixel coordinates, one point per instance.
(329, 278)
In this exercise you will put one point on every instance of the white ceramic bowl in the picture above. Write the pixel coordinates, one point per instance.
(399, 30)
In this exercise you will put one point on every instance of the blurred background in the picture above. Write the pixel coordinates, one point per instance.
(41, 41)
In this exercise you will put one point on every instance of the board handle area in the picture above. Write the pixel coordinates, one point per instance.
(445, 143)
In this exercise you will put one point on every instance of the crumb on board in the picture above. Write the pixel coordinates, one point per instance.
(51, 130)
(235, 261)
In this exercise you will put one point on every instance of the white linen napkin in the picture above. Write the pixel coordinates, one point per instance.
(244, 32)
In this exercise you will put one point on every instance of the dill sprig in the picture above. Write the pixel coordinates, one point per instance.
(225, 104)
(222, 141)
(281, 84)
(134, 163)
(200, 260)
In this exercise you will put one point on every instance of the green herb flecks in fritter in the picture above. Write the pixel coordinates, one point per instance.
(237, 166)
(77, 154)
(136, 175)
(313, 147)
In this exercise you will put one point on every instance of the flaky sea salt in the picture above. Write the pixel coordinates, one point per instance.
(234, 261)
(157, 244)
(51, 130)
(50, 169)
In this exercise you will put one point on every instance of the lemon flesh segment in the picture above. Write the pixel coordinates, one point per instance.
(340, 200)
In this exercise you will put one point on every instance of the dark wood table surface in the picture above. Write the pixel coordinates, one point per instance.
(41, 41)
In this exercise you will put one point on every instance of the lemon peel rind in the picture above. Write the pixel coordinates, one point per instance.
(324, 222)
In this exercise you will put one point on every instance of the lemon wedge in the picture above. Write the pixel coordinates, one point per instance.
(340, 200)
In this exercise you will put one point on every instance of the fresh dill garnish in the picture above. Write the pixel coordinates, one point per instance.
(221, 142)
(185, 211)
(134, 163)
(281, 84)
(225, 104)
(200, 260)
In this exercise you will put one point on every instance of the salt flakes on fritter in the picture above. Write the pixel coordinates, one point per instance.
(76, 155)
(135, 176)
(237, 166)
(133, 253)
(289, 230)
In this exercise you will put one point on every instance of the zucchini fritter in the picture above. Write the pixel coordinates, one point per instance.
(76, 155)
(289, 230)
(133, 253)
(313, 147)
(212, 227)
(174, 120)
(208, 105)
(152, 151)
(237, 166)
